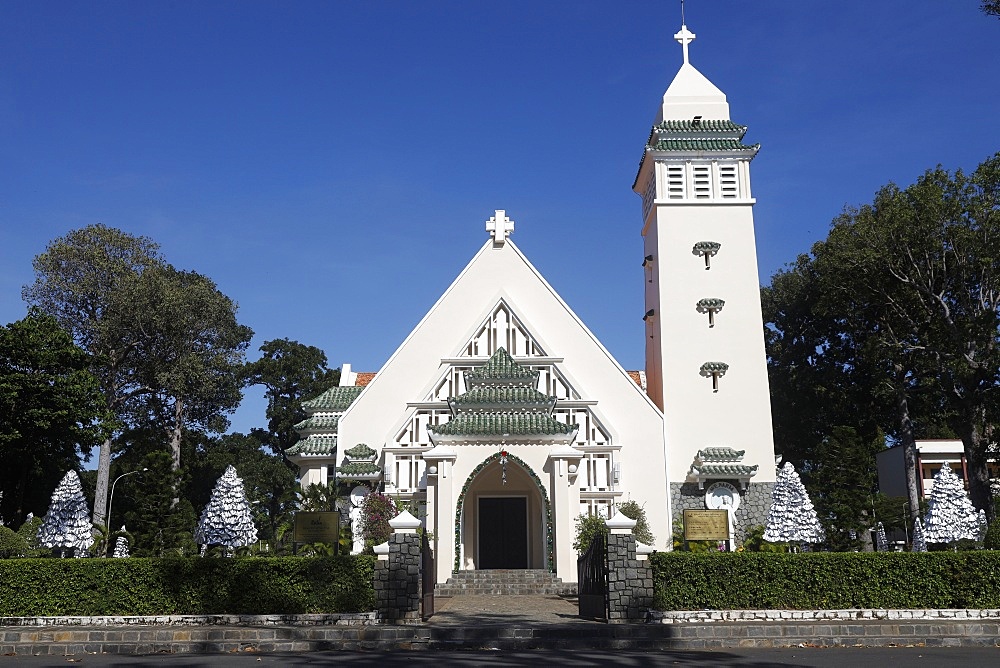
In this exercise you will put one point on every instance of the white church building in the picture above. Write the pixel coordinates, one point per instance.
(504, 418)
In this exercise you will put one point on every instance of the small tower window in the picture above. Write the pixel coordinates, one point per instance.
(707, 250)
(715, 371)
(675, 182)
(701, 178)
(711, 306)
(728, 185)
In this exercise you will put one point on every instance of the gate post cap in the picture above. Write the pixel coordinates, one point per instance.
(404, 523)
(619, 525)
(382, 551)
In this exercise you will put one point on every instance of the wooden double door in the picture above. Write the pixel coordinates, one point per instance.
(503, 532)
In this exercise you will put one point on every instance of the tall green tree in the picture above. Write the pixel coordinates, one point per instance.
(194, 353)
(991, 7)
(51, 412)
(87, 281)
(924, 264)
(291, 372)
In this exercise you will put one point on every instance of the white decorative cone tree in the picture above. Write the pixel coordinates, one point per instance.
(792, 517)
(121, 546)
(881, 542)
(67, 524)
(950, 515)
(226, 519)
(919, 542)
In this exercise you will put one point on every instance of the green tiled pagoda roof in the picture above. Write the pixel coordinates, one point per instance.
(314, 445)
(334, 399)
(701, 144)
(720, 454)
(360, 451)
(708, 126)
(502, 424)
(326, 423)
(501, 367)
(358, 468)
(492, 395)
(723, 470)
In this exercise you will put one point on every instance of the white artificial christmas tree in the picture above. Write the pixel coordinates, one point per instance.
(121, 546)
(881, 542)
(792, 518)
(950, 515)
(67, 524)
(919, 541)
(226, 519)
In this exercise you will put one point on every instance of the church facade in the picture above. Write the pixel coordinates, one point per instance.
(503, 418)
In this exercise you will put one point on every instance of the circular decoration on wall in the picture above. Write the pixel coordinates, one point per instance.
(722, 496)
(358, 495)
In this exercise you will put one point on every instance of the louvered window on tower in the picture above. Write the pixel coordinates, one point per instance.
(675, 182)
(701, 181)
(728, 185)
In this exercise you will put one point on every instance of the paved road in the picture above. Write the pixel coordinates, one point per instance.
(856, 657)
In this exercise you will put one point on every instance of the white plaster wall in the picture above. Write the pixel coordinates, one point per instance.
(503, 272)
(739, 414)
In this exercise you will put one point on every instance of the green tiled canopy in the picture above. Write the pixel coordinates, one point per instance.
(334, 399)
(502, 401)
(315, 445)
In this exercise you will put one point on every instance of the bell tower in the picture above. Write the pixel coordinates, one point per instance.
(705, 362)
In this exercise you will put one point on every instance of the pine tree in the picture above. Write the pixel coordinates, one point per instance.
(121, 545)
(792, 517)
(950, 515)
(227, 519)
(67, 524)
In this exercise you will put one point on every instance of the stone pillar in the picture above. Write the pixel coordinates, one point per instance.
(397, 578)
(563, 468)
(442, 460)
(630, 581)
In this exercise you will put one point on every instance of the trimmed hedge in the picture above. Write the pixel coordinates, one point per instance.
(830, 580)
(186, 586)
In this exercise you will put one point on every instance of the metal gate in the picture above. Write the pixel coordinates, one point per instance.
(592, 580)
(428, 578)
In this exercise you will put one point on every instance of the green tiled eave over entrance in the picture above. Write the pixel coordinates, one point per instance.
(502, 402)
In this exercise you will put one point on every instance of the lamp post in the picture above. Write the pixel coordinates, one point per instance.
(112, 498)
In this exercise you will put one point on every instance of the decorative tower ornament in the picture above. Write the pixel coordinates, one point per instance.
(67, 524)
(792, 518)
(226, 520)
(503, 467)
(950, 515)
(121, 545)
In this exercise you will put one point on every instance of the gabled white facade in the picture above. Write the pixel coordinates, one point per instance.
(501, 300)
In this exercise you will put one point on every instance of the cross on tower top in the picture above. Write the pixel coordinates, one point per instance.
(499, 227)
(684, 37)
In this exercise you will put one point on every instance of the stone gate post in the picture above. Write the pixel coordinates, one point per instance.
(630, 581)
(397, 573)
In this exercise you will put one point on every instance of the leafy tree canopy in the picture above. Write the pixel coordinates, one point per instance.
(51, 412)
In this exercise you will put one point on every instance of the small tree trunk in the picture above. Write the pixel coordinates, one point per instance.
(975, 462)
(176, 431)
(103, 476)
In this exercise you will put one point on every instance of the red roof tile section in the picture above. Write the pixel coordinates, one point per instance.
(363, 378)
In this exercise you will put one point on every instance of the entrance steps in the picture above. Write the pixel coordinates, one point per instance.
(508, 582)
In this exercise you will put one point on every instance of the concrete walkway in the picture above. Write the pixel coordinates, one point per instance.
(484, 609)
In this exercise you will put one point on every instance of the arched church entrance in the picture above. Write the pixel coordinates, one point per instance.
(503, 519)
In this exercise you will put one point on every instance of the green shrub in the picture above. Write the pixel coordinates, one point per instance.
(186, 586)
(992, 539)
(828, 580)
(12, 544)
(641, 531)
(587, 527)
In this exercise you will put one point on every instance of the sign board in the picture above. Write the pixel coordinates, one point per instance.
(317, 527)
(706, 525)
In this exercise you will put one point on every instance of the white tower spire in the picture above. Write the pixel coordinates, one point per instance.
(705, 361)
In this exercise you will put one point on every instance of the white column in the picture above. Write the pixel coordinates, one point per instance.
(564, 464)
(444, 509)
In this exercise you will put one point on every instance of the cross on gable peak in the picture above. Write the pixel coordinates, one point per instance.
(684, 37)
(499, 226)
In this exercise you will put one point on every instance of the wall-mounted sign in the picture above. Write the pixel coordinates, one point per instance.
(321, 527)
(706, 525)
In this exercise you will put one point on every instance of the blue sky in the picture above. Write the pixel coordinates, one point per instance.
(331, 164)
